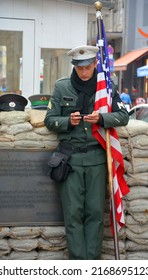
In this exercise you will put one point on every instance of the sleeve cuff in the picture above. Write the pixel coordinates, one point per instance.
(70, 126)
(101, 120)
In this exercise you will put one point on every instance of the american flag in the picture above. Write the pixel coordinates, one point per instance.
(103, 104)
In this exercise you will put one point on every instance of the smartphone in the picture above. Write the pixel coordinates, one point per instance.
(82, 115)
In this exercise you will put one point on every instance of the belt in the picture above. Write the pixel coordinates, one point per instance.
(72, 149)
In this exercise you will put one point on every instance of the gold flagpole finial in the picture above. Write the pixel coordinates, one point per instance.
(98, 6)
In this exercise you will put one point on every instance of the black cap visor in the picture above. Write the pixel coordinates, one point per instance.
(84, 62)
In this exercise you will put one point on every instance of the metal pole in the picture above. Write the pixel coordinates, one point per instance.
(98, 6)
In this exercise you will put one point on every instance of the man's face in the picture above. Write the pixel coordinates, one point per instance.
(85, 72)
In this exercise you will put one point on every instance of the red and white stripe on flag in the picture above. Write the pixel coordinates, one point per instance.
(119, 184)
(103, 104)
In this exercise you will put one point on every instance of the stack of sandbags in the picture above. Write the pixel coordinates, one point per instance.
(109, 249)
(19, 129)
(134, 143)
(30, 243)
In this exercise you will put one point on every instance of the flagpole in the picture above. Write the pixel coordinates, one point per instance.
(98, 6)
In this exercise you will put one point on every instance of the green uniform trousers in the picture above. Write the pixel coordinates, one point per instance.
(83, 200)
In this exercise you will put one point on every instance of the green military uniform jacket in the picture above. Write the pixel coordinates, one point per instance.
(63, 103)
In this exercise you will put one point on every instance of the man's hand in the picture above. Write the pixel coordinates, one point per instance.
(92, 118)
(75, 118)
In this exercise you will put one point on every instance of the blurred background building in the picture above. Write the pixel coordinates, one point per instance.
(35, 36)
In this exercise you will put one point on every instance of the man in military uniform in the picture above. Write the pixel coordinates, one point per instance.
(71, 115)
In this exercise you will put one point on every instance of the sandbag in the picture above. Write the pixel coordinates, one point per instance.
(134, 127)
(51, 255)
(136, 218)
(53, 244)
(24, 245)
(138, 192)
(140, 141)
(32, 255)
(137, 255)
(15, 128)
(13, 117)
(141, 238)
(137, 205)
(47, 232)
(133, 246)
(140, 218)
(137, 179)
(37, 117)
(138, 165)
(24, 232)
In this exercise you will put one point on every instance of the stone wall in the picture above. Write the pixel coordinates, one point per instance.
(26, 130)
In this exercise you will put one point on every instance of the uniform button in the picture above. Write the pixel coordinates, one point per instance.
(56, 123)
(85, 128)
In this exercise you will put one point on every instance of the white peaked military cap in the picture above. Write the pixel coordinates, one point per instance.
(83, 55)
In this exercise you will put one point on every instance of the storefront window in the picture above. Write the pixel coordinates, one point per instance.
(54, 64)
(10, 61)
